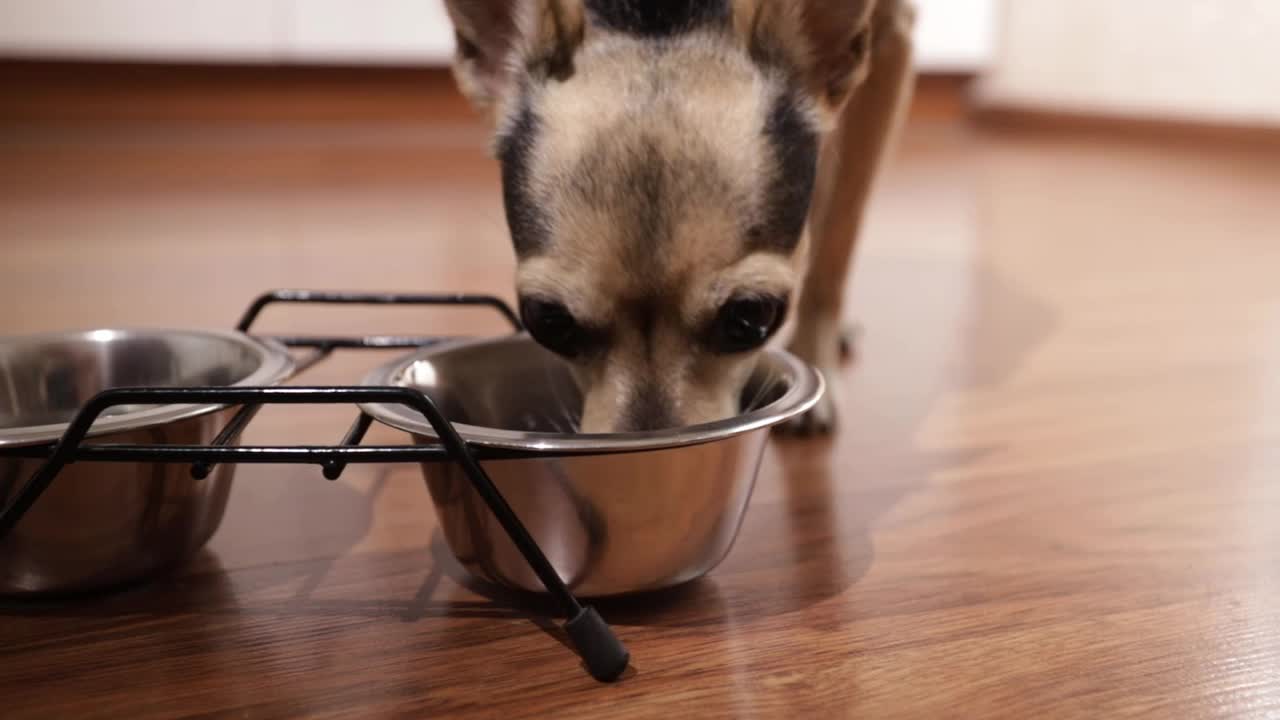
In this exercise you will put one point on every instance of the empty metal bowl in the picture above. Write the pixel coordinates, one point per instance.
(614, 514)
(104, 524)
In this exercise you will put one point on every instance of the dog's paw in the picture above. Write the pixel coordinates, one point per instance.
(821, 418)
(822, 342)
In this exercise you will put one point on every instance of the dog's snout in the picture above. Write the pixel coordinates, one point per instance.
(656, 383)
(648, 409)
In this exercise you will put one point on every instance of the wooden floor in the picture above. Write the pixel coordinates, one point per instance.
(1056, 492)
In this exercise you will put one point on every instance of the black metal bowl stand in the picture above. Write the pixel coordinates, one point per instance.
(602, 653)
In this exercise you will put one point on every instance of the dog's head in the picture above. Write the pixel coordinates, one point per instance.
(658, 162)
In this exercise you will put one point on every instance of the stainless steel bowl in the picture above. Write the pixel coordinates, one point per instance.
(615, 514)
(104, 524)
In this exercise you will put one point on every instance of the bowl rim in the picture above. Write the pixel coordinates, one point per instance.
(804, 392)
(275, 365)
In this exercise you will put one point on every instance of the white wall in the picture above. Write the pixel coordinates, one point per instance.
(954, 35)
(376, 31)
(212, 29)
(1216, 60)
(401, 31)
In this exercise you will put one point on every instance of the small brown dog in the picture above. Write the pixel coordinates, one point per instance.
(678, 175)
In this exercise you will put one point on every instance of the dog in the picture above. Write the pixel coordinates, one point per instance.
(681, 178)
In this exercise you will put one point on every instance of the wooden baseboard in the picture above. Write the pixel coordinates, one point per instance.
(80, 93)
(40, 93)
(941, 97)
(1020, 120)
(75, 93)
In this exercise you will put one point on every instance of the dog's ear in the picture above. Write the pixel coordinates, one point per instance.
(828, 42)
(497, 39)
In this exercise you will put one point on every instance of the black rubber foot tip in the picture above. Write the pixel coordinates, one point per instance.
(605, 656)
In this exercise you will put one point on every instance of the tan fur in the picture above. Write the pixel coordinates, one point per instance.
(699, 102)
(708, 116)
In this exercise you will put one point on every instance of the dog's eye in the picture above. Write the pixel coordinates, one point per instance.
(746, 323)
(553, 326)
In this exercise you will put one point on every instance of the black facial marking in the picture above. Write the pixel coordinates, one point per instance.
(795, 150)
(648, 409)
(528, 224)
(657, 18)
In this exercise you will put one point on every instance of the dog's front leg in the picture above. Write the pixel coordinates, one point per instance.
(850, 161)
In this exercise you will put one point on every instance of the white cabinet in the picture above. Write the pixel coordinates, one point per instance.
(1198, 60)
(225, 30)
(379, 31)
(953, 34)
(324, 31)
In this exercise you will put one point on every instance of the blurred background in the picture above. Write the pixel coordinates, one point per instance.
(1187, 59)
(246, 144)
